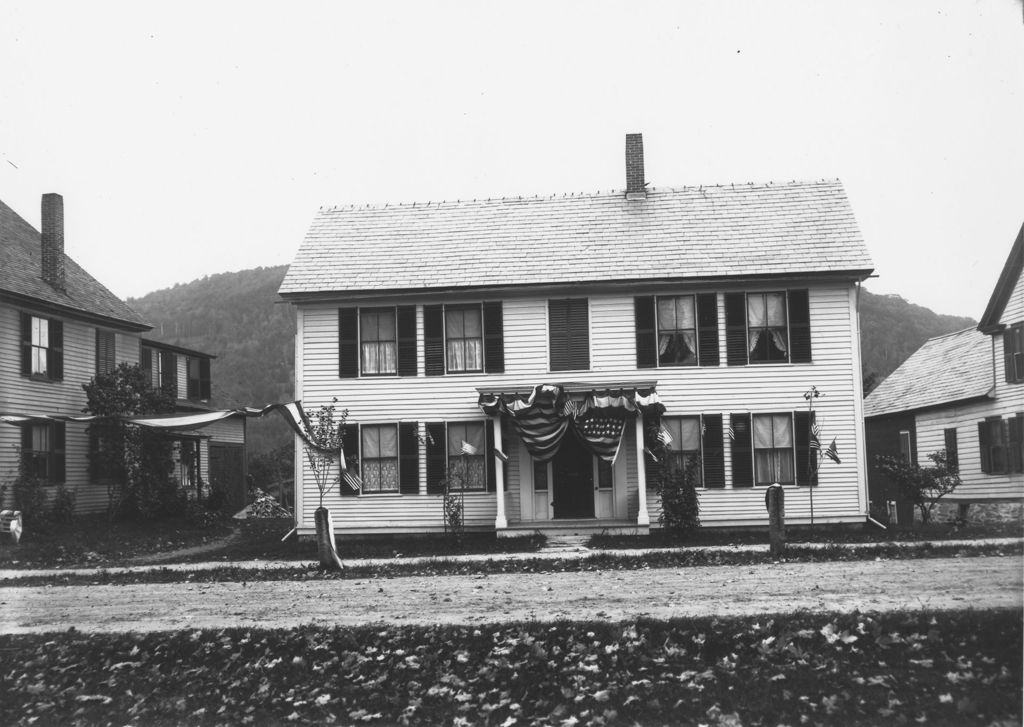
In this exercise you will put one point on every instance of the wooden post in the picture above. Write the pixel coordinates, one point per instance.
(774, 500)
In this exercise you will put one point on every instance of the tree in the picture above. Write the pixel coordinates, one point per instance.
(135, 462)
(922, 486)
(325, 440)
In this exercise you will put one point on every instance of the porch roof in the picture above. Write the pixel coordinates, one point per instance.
(586, 388)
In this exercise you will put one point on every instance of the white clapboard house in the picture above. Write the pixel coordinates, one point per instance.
(536, 345)
(59, 327)
(963, 393)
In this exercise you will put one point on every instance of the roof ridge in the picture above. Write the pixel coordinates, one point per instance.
(767, 184)
(961, 331)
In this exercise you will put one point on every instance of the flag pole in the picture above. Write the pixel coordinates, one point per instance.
(812, 394)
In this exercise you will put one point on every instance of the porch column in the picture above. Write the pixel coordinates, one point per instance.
(642, 518)
(500, 522)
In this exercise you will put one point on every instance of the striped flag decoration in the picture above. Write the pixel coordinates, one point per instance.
(664, 436)
(602, 433)
(815, 439)
(832, 453)
(468, 448)
(732, 432)
(500, 455)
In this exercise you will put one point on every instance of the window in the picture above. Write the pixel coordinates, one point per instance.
(682, 438)
(773, 449)
(540, 476)
(906, 449)
(1001, 442)
(952, 450)
(378, 462)
(162, 367)
(767, 339)
(1013, 353)
(770, 327)
(198, 378)
(569, 334)
(464, 338)
(42, 451)
(466, 450)
(42, 351)
(105, 356)
(677, 331)
(378, 342)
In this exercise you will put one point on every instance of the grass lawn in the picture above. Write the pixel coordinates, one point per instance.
(935, 668)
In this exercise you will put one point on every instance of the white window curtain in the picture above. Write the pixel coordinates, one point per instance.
(378, 347)
(773, 448)
(379, 462)
(677, 329)
(766, 313)
(464, 337)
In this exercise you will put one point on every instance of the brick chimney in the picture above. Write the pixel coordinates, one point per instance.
(53, 240)
(635, 188)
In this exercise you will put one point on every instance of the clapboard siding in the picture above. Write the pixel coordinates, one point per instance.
(1014, 310)
(19, 394)
(684, 390)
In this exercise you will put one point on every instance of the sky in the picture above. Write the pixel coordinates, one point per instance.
(190, 139)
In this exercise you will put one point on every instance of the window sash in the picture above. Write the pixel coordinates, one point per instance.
(378, 341)
(767, 329)
(464, 338)
(774, 449)
(471, 467)
(677, 331)
(378, 461)
(40, 345)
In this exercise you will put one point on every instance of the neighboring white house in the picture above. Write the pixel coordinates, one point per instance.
(540, 343)
(962, 392)
(59, 327)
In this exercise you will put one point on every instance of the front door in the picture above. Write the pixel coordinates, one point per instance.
(572, 474)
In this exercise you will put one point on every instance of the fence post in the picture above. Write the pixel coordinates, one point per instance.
(774, 502)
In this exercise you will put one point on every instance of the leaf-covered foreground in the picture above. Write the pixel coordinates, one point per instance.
(955, 668)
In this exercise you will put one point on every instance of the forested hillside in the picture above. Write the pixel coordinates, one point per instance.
(237, 317)
(892, 329)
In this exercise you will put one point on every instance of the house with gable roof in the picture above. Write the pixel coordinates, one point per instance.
(59, 327)
(962, 392)
(553, 354)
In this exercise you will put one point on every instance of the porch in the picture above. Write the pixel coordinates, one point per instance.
(579, 526)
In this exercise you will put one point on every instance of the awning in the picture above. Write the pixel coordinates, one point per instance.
(596, 414)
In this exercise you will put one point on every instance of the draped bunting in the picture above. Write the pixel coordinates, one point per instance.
(542, 417)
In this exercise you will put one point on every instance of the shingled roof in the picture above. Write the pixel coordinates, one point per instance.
(946, 369)
(21, 281)
(692, 233)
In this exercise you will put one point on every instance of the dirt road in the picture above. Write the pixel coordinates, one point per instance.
(952, 583)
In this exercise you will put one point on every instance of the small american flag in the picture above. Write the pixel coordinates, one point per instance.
(603, 434)
(664, 436)
(468, 448)
(832, 453)
(815, 435)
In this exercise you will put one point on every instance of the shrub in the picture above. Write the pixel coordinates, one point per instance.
(922, 486)
(677, 488)
(265, 506)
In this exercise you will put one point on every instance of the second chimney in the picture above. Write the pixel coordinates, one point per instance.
(635, 187)
(53, 240)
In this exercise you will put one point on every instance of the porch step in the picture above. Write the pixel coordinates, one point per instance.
(565, 543)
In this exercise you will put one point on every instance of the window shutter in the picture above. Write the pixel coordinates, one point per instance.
(146, 361)
(742, 451)
(57, 470)
(437, 455)
(707, 329)
(1011, 344)
(952, 448)
(569, 334)
(408, 458)
(26, 344)
(713, 451)
(646, 332)
(736, 329)
(104, 352)
(802, 436)
(55, 354)
(205, 385)
(168, 372)
(348, 343)
(26, 442)
(985, 446)
(433, 340)
(492, 470)
(1015, 458)
(350, 446)
(799, 327)
(494, 338)
(405, 328)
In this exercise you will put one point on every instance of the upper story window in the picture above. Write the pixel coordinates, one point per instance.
(378, 341)
(768, 327)
(42, 451)
(162, 368)
(906, 446)
(676, 330)
(198, 378)
(1013, 353)
(106, 358)
(42, 347)
(569, 334)
(464, 338)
